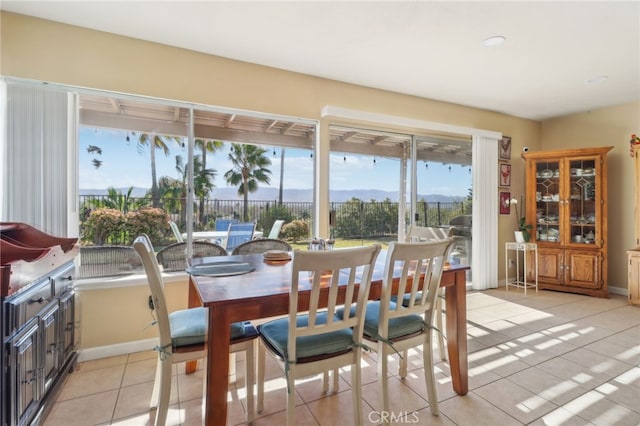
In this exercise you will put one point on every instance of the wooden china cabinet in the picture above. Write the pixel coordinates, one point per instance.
(566, 203)
(634, 254)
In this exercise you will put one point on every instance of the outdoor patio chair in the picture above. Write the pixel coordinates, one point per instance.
(320, 340)
(239, 233)
(174, 257)
(261, 245)
(182, 337)
(176, 231)
(396, 327)
(275, 229)
(223, 224)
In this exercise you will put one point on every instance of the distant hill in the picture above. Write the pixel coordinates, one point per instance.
(297, 195)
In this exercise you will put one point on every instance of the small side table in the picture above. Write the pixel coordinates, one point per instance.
(524, 248)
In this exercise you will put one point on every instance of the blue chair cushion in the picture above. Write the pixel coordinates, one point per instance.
(406, 297)
(276, 333)
(188, 327)
(398, 327)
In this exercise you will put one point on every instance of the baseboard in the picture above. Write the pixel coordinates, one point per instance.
(619, 291)
(115, 350)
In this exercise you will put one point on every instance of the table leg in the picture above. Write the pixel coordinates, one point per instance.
(193, 302)
(217, 379)
(456, 298)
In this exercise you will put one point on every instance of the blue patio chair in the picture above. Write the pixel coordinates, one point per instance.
(223, 224)
(238, 234)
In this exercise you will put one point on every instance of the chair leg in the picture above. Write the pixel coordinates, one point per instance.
(438, 314)
(291, 400)
(250, 380)
(403, 365)
(429, 375)
(384, 382)
(153, 403)
(356, 388)
(325, 381)
(336, 376)
(260, 379)
(164, 392)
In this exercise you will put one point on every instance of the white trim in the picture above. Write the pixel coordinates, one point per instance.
(126, 348)
(333, 111)
(133, 280)
(619, 291)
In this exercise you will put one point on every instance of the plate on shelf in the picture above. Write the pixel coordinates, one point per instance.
(546, 173)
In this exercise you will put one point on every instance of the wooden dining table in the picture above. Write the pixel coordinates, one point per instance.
(264, 293)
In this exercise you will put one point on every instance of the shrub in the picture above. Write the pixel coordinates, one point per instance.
(104, 226)
(273, 213)
(148, 220)
(295, 230)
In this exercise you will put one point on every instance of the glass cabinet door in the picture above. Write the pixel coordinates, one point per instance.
(583, 206)
(548, 188)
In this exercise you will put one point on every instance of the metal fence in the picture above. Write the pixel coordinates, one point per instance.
(351, 219)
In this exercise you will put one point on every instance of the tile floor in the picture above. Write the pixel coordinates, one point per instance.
(544, 359)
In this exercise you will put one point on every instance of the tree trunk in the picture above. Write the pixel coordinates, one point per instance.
(280, 191)
(154, 186)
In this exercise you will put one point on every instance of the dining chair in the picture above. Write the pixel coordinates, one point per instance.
(319, 340)
(176, 231)
(239, 233)
(260, 246)
(396, 327)
(174, 256)
(182, 336)
(275, 229)
(428, 233)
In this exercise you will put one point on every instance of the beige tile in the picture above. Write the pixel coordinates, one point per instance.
(96, 364)
(88, 410)
(303, 418)
(133, 400)
(401, 397)
(524, 405)
(82, 383)
(569, 370)
(337, 409)
(142, 356)
(560, 416)
(625, 395)
(596, 363)
(140, 372)
(596, 408)
(471, 409)
(548, 386)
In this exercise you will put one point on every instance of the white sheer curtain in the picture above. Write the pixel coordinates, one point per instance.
(39, 159)
(485, 212)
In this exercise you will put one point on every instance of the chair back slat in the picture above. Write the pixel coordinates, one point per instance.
(144, 248)
(421, 265)
(325, 274)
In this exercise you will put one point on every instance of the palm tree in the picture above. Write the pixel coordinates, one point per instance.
(154, 142)
(202, 181)
(206, 145)
(115, 199)
(249, 168)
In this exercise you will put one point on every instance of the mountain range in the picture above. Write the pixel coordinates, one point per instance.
(296, 195)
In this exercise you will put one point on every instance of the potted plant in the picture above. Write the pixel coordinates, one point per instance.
(523, 233)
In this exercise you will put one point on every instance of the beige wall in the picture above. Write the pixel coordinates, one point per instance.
(606, 127)
(42, 50)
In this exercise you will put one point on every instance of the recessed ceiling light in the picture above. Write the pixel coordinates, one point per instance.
(493, 41)
(597, 79)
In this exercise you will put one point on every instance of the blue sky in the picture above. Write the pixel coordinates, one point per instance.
(123, 165)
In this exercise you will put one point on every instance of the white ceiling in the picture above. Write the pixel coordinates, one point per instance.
(427, 49)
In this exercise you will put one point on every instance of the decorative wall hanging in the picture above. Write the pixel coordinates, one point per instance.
(505, 206)
(505, 174)
(505, 148)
